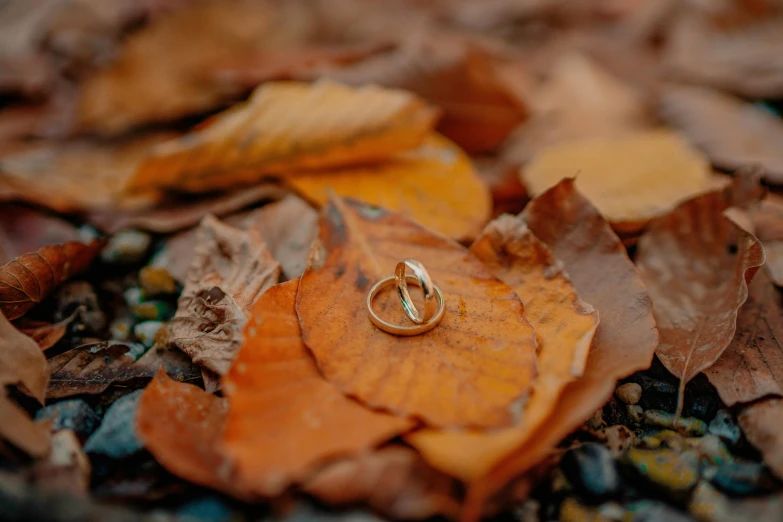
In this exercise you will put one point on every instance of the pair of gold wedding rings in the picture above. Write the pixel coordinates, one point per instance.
(433, 300)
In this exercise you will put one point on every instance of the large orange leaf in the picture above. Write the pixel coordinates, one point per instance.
(564, 327)
(697, 265)
(474, 369)
(284, 418)
(434, 184)
(624, 342)
(25, 281)
(287, 126)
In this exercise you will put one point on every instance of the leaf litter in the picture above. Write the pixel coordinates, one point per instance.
(334, 139)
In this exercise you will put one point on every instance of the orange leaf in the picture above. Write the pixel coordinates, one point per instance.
(564, 327)
(180, 424)
(46, 334)
(697, 265)
(434, 184)
(284, 418)
(18, 428)
(21, 362)
(474, 369)
(762, 423)
(25, 281)
(601, 272)
(287, 126)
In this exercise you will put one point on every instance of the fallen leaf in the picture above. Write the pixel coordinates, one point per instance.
(284, 419)
(288, 228)
(752, 365)
(18, 428)
(326, 125)
(434, 184)
(474, 369)
(24, 230)
(731, 132)
(697, 265)
(229, 272)
(25, 281)
(21, 362)
(180, 424)
(466, 82)
(394, 481)
(92, 368)
(46, 334)
(761, 423)
(768, 226)
(564, 327)
(55, 175)
(598, 266)
(578, 100)
(630, 180)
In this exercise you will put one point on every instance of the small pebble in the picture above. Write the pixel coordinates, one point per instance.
(74, 414)
(664, 439)
(741, 478)
(116, 436)
(591, 470)
(667, 470)
(596, 422)
(617, 438)
(629, 393)
(133, 296)
(635, 413)
(685, 425)
(135, 350)
(152, 311)
(126, 246)
(703, 407)
(207, 509)
(155, 281)
(572, 511)
(651, 511)
(707, 503)
(711, 449)
(528, 511)
(725, 427)
(121, 328)
(146, 332)
(80, 295)
(649, 384)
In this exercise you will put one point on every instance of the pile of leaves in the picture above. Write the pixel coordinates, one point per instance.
(197, 195)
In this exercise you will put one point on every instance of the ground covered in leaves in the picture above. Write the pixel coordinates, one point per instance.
(197, 195)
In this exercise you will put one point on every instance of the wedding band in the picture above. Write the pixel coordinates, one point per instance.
(398, 329)
(426, 285)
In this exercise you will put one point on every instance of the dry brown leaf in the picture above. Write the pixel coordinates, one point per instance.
(92, 368)
(288, 228)
(394, 481)
(288, 126)
(697, 265)
(18, 428)
(229, 272)
(752, 365)
(46, 334)
(25, 281)
(24, 230)
(474, 369)
(434, 184)
(162, 70)
(761, 423)
(284, 418)
(731, 132)
(630, 180)
(564, 327)
(768, 226)
(745, 60)
(578, 100)
(624, 342)
(80, 175)
(479, 107)
(21, 362)
(181, 424)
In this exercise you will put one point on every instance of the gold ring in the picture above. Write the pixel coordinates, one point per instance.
(403, 330)
(426, 285)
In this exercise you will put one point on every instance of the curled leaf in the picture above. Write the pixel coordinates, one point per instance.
(18, 428)
(47, 334)
(21, 362)
(474, 369)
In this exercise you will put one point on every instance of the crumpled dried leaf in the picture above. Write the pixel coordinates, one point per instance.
(325, 125)
(284, 418)
(479, 107)
(564, 327)
(731, 132)
(474, 369)
(229, 272)
(697, 265)
(18, 428)
(752, 365)
(25, 281)
(181, 424)
(624, 342)
(745, 59)
(578, 100)
(56, 176)
(434, 184)
(394, 481)
(24, 230)
(46, 334)
(630, 180)
(21, 362)
(761, 423)
(92, 368)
